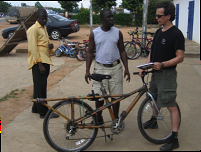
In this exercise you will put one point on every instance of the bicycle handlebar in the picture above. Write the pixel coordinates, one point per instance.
(143, 74)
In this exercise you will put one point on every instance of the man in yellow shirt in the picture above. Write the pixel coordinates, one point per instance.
(39, 60)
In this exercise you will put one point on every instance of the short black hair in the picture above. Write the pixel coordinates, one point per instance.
(102, 12)
(169, 8)
(41, 11)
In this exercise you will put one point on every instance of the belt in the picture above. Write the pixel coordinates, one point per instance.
(110, 65)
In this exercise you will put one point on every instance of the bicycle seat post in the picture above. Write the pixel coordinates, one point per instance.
(102, 88)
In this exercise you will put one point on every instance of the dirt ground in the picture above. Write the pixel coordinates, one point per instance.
(10, 109)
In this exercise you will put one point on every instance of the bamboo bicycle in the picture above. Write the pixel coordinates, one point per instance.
(77, 126)
(135, 47)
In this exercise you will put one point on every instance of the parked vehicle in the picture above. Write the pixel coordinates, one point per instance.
(18, 14)
(57, 27)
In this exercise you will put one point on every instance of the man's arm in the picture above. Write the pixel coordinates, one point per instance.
(123, 56)
(89, 58)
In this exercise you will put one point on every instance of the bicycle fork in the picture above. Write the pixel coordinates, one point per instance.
(156, 113)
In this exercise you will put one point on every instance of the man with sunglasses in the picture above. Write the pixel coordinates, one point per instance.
(166, 52)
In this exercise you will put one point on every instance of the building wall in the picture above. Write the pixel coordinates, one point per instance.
(183, 18)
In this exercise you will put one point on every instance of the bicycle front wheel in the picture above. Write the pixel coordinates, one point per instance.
(130, 50)
(81, 55)
(63, 135)
(159, 131)
(58, 52)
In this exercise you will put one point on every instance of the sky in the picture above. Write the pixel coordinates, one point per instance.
(55, 4)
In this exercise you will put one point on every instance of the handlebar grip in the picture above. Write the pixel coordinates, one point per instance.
(136, 73)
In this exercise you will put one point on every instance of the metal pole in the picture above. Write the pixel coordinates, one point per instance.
(91, 18)
(144, 20)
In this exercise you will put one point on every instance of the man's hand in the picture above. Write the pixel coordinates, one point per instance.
(87, 76)
(156, 66)
(128, 75)
(141, 71)
(41, 68)
(50, 46)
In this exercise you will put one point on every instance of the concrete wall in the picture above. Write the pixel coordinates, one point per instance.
(183, 18)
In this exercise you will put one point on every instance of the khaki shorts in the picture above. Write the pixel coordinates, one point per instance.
(112, 86)
(163, 87)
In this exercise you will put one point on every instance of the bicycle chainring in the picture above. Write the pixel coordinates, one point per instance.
(117, 129)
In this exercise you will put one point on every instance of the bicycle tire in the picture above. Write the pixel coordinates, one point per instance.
(58, 52)
(81, 55)
(162, 133)
(138, 51)
(129, 48)
(74, 54)
(56, 130)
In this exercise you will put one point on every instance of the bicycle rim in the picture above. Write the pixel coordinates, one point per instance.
(138, 51)
(130, 51)
(163, 131)
(56, 130)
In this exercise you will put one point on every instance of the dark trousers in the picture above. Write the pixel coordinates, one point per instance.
(40, 88)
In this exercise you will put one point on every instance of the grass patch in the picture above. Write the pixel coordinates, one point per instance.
(10, 95)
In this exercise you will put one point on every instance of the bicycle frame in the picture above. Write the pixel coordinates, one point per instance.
(66, 50)
(108, 105)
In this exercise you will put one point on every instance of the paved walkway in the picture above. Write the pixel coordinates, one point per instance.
(25, 132)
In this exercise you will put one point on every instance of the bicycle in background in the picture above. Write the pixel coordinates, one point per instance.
(135, 47)
(66, 47)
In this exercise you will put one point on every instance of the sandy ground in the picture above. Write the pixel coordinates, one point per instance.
(21, 99)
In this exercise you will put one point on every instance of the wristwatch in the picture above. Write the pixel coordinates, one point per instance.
(162, 65)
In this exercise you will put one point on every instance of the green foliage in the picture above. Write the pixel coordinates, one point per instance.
(58, 10)
(138, 17)
(123, 19)
(83, 16)
(132, 5)
(68, 5)
(23, 4)
(38, 5)
(103, 4)
(120, 19)
(4, 6)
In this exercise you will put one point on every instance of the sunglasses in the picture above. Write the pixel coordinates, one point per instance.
(159, 16)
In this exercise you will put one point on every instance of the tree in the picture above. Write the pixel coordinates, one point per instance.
(23, 4)
(38, 5)
(132, 5)
(68, 5)
(99, 4)
(4, 6)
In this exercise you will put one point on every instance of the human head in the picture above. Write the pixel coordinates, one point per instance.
(107, 18)
(168, 7)
(42, 16)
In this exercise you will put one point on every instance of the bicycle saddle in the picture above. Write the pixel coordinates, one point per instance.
(100, 77)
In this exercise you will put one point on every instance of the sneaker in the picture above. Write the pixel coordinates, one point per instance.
(100, 121)
(151, 124)
(170, 145)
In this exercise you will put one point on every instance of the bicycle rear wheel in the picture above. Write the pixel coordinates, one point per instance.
(138, 51)
(130, 51)
(56, 130)
(162, 131)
